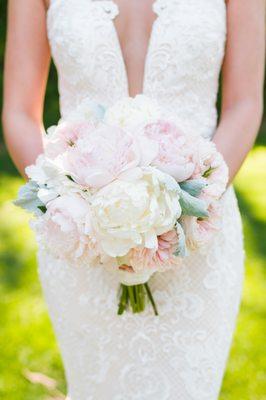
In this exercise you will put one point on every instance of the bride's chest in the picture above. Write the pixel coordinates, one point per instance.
(83, 30)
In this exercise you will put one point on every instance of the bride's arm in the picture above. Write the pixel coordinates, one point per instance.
(242, 88)
(26, 68)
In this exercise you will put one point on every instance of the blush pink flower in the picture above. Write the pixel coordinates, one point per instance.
(199, 231)
(175, 154)
(141, 259)
(210, 165)
(62, 228)
(65, 135)
(100, 157)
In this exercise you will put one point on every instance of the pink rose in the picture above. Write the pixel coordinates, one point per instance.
(175, 155)
(199, 231)
(100, 157)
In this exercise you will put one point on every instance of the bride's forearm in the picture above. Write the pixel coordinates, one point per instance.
(24, 138)
(27, 60)
(242, 81)
(237, 131)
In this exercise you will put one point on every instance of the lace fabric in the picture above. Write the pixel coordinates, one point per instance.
(180, 355)
(182, 66)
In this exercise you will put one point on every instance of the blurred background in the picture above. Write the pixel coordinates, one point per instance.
(30, 364)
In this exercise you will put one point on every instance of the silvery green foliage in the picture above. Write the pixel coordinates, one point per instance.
(181, 250)
(98, 110)
(193, 186)
(192, 206)
(28, 198)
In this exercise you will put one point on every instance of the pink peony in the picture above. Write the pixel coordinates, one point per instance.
(175, 154)
(65, 135)
(142, 258)
(100, 157)
(62, 228)
(199, 231)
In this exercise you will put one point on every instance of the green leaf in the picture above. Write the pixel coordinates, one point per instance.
(192, 206)
(43, 209)
(208, 172)
(70, 178)
(194, 186)
(28, 198)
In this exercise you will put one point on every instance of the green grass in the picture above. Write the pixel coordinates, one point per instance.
(26, 338)
(245, 377)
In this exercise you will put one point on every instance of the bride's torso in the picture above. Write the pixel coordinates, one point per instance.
(181, 59)
(181, 354)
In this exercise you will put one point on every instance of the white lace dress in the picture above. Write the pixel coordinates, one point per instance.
(180, 355)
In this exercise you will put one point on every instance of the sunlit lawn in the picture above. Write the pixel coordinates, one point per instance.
(26, 338)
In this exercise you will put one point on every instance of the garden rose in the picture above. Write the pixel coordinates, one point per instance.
(199, 231)
(175, 153)
(133, 212)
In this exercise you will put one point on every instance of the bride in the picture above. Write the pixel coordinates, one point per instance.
(172, 51)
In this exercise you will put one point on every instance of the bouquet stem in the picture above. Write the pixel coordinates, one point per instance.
(135, 296)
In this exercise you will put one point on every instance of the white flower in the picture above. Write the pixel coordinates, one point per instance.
(134, 211)
(87, 111)
(51, 179)
(132, 112)
(43, 171)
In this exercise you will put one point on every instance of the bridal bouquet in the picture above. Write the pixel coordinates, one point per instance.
(125, 189)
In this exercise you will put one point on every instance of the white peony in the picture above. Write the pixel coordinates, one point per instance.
(133, 210)
(132, 112)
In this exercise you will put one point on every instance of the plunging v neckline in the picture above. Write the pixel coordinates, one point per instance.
(148, 47)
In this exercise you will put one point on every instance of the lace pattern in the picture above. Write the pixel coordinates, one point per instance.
(182, 64)
(183, 351)
(181, 354)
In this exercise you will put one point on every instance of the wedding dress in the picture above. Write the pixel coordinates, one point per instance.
(180, 355)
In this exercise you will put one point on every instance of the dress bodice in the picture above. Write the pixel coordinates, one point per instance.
(182, 66)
